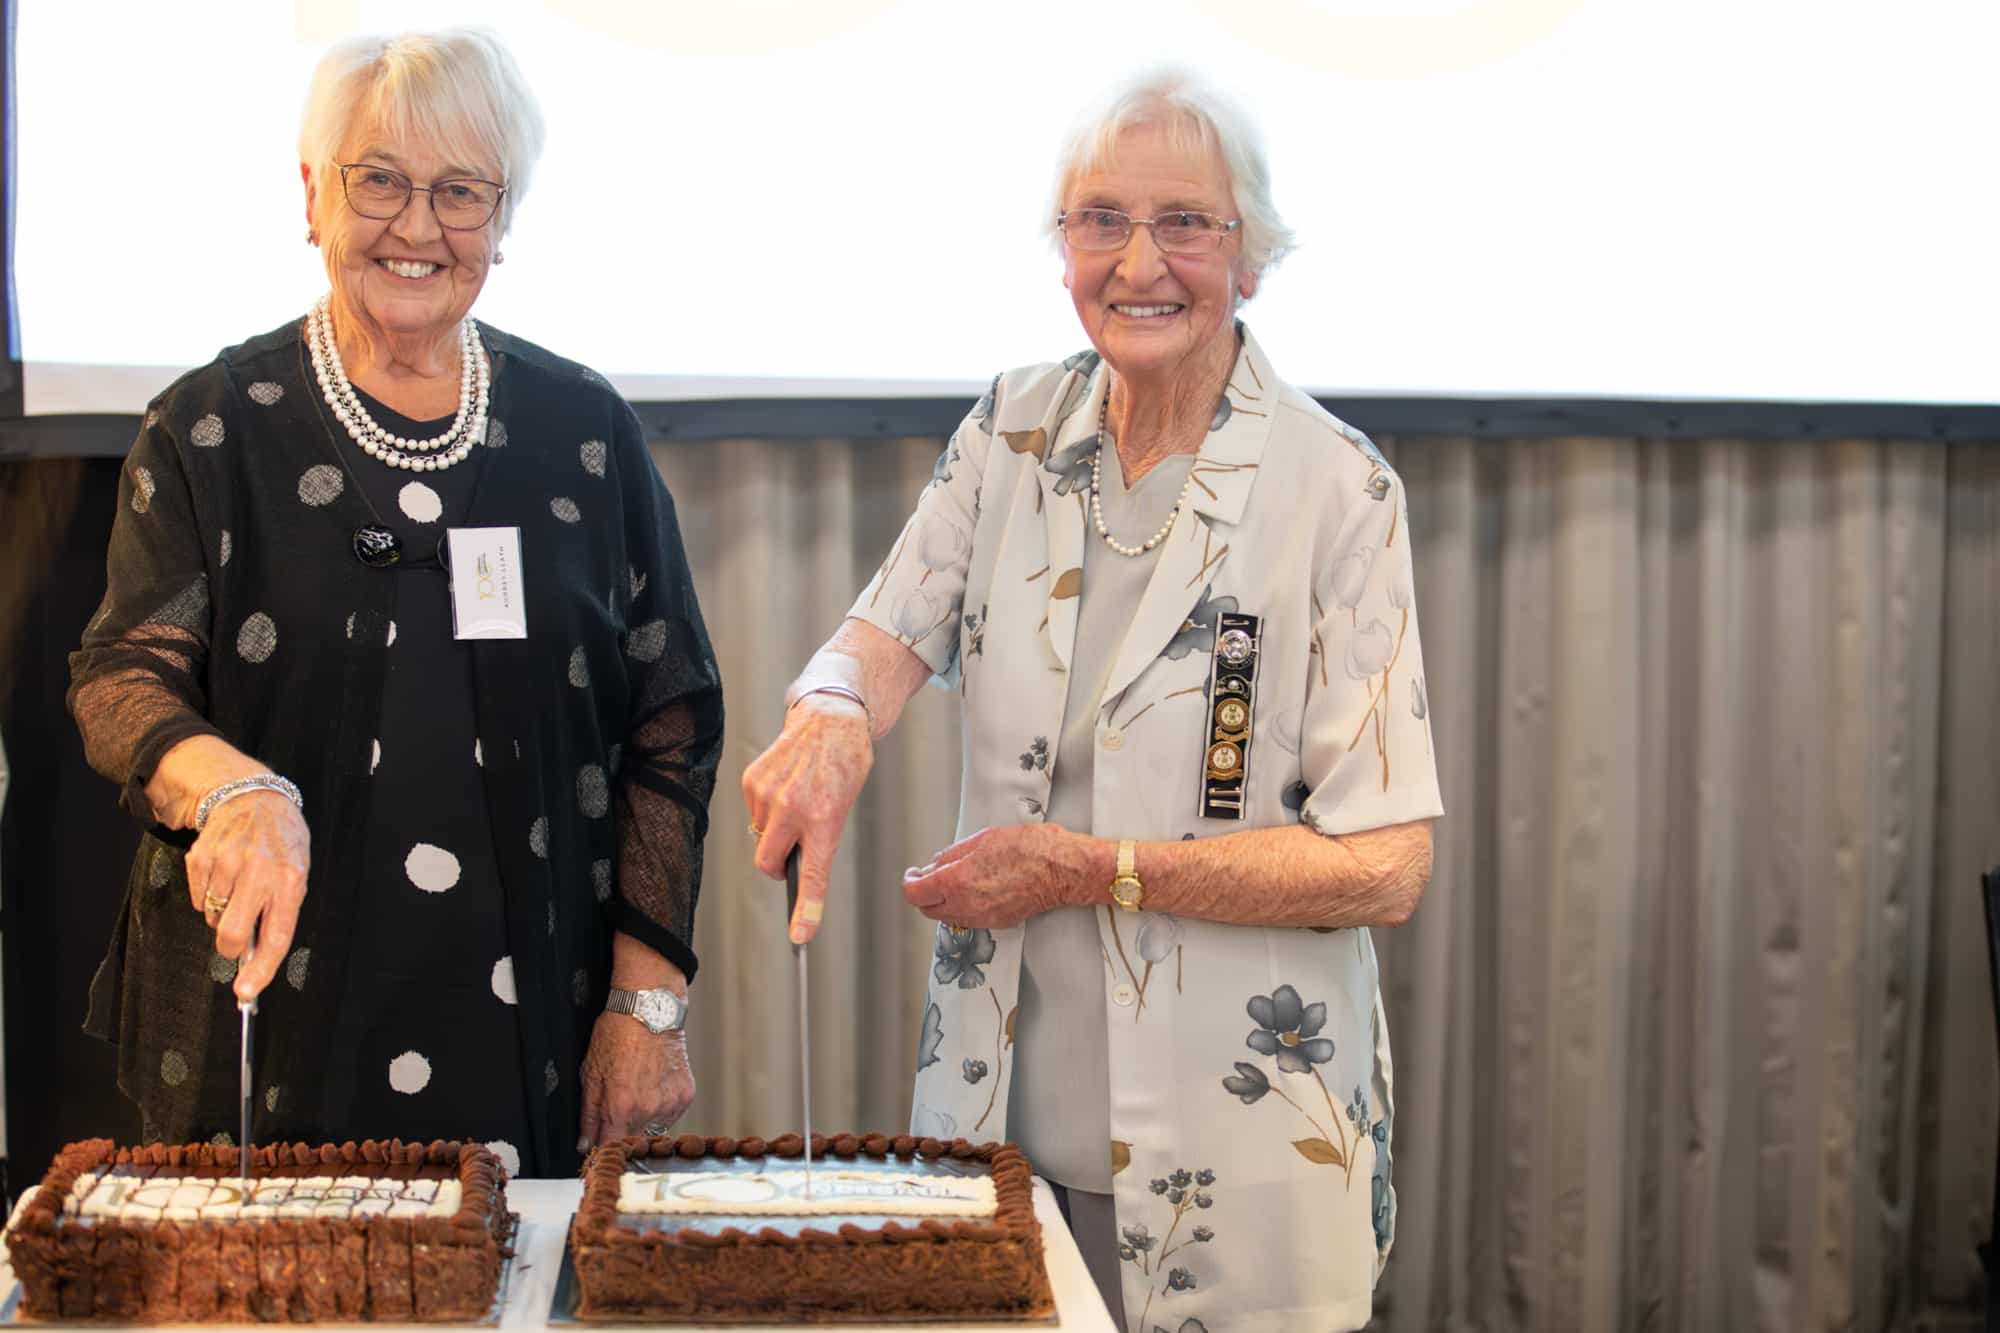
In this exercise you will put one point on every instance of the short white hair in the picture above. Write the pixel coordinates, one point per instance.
(456, 89)
(1199, 121)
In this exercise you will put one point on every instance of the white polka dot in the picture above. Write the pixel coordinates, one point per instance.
(142, 489)
(593, 793)
(409, 1073)
(503, 980)
(579, 986)
(350, 624)
(266, 392)
(271, 1098)
(600, 880)
(296, 967)
(647, 642)
(222, 1139)
(420, 502)
(222, 970)
(549, 1080)
(258, 638)
(174, 1069)
(228, 547)
(565, 509)
(579, 673)
(509, 1155)
(160, 870)
(496, 433)
(375, 759)
(321, 485)
(432, 869)
(478, 754)
(538, 836)
(207, 432)
(593, 457)
(392, 633)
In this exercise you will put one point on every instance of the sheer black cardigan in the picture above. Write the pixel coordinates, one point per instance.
(236, 607)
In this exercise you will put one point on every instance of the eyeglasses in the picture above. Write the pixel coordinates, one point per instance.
(1180, 232)
(381, 193)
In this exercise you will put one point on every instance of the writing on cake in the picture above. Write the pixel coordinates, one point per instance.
(139, 1195)
(783, 1194)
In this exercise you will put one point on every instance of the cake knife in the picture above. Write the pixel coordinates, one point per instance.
(245, 1008)
(805, 1022)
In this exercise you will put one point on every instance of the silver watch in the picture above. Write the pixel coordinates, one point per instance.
(659, 1009)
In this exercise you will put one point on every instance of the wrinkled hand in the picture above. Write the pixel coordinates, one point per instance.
(632, 1079)
(1002, 876)
(799, 792)
(253, 853)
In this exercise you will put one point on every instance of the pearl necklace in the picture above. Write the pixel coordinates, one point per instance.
(1097, 509)
(468, 427)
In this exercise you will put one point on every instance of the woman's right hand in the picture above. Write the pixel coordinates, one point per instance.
(800, 790)
(252, 857)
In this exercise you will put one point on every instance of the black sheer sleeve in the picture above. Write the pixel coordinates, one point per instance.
(136, 681)
(674, 740)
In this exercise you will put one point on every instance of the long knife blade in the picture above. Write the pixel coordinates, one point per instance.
(805, 1020)
(247, 1009)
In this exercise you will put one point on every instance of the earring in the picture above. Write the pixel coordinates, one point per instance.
(499, 257)
(312, 237)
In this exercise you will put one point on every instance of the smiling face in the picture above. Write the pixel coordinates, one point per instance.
(406, 276)
(1153, 315)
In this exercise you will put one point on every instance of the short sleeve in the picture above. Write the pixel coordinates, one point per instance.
(916, 595)
(1365, 739)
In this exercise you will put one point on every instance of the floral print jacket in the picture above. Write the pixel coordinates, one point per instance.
(1250, 1075)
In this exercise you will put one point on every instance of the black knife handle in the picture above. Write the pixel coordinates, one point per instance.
(791, 884)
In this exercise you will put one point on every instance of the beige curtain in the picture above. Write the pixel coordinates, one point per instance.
(1693, 1029)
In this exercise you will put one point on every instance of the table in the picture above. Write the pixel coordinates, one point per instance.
(545, 1207)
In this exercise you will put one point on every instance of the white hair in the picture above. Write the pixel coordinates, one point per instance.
(1197, 120)
(456, 90)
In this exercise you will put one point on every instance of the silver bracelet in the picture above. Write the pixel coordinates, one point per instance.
(845, 692)
(255, 782)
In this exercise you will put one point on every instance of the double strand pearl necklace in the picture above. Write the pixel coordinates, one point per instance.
(468, 427)
(1097, 508)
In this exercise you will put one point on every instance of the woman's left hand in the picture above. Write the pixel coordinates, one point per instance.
(1002, 876)
(632, 1080)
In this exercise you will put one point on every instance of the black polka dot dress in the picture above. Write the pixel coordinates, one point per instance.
(428, 1034)
(486, 816)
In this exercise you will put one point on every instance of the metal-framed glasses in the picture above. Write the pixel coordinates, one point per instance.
(462, 203)
(1179, 232)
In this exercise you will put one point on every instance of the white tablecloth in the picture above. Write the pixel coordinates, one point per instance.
(545, 1207)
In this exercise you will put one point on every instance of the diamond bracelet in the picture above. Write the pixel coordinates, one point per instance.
(236, 787)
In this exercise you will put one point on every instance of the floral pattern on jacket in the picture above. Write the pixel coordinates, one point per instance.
(1292, 516)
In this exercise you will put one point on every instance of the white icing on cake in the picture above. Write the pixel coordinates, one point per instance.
(783, 1194)
(139, 1194)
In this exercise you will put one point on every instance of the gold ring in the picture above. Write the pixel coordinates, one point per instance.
(211, 904)
(756, 832)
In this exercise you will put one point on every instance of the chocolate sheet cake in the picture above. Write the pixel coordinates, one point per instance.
(976, 1253)
(374, 1231)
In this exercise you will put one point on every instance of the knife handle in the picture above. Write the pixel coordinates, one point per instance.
(791, 885)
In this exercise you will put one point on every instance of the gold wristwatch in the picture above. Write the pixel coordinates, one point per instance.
(1126, 890)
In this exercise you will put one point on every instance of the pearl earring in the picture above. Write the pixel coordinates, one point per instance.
(499, 257)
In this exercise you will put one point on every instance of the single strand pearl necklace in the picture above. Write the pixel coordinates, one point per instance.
(1097, 509)
(468, 427)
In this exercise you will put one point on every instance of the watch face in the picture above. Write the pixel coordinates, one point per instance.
(657, 1009)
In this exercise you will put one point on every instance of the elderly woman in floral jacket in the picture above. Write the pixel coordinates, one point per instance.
(1176, 596)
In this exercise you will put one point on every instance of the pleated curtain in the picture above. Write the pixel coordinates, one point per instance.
(1693, 1028)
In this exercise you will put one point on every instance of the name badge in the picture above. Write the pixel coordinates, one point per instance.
(1232, 697)
(487, 599)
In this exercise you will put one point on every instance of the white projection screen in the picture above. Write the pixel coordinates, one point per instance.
(1731, 199)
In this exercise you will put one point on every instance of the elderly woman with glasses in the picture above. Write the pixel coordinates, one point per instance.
(1176, 596)
(401, 664)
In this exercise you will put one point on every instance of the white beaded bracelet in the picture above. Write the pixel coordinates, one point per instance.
(845, 692)
(236, 787)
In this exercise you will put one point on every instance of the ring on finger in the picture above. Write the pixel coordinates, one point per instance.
(211, 905)
(656, 1128)
(755, 832)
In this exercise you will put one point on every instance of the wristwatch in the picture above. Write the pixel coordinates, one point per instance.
(659, 1008)
(1126, 890)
